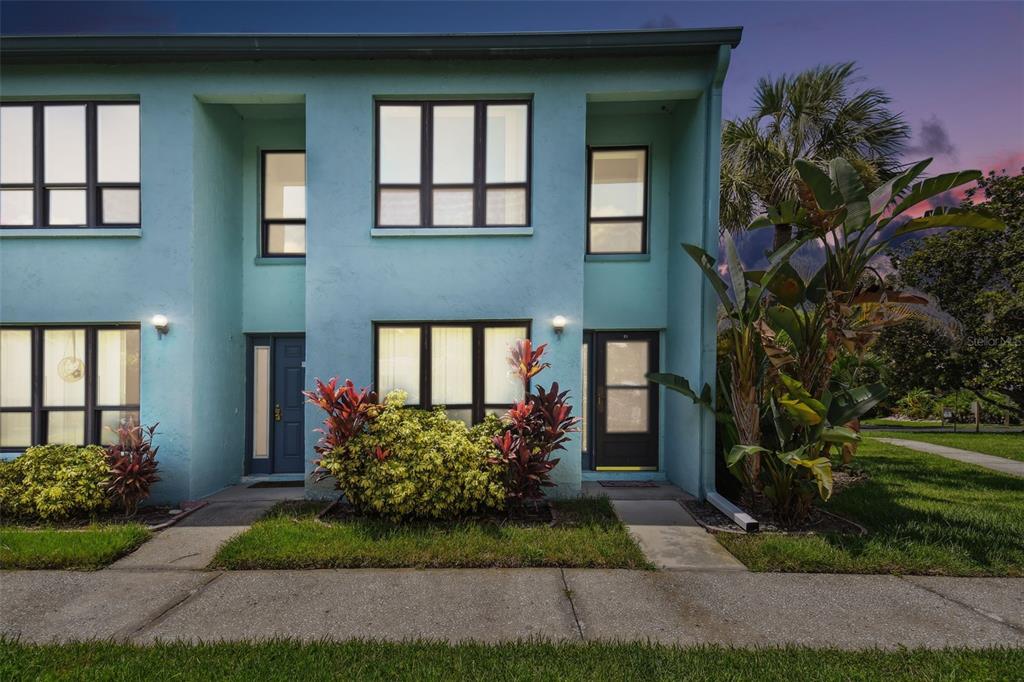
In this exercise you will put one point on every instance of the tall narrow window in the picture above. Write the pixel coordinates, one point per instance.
(284, 203)
(462, 366)
(70, 164)
(67, 384)
(617, 201)
(453, 164)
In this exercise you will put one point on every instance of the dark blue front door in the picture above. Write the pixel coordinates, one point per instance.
(289, 425)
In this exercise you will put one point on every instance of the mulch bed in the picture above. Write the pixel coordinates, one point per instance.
(819, 521)
(542, 514)
(154, 517)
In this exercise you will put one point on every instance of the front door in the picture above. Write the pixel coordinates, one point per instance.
(625, 430)
(289, 425)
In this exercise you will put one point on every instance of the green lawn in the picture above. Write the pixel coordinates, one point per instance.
(88, 548)
(902, 423)
(367, 660)
(1009, 445)
(291, 537)
(926, 515)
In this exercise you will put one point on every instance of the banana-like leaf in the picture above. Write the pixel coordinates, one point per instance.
(839, 434)
(850, 404)
(926, 189)
(777, 354)
(883, 195)
(786, 213)
(798, 392)
(783, 427)
(738, 452)
(821, 185)
(821, 468)
(952, 217)
(787, 285)
(707, 264)
(815, 289)
(679, 384)
(858, 208)
(802, 413)
(739, 284)
(785, 319)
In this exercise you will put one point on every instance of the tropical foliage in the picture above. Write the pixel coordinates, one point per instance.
(54, 482)
(132, 465)
(783, 335)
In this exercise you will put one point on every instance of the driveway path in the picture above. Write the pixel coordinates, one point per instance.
(1000, 464)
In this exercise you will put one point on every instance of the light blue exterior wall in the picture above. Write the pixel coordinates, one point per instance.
(195, 257)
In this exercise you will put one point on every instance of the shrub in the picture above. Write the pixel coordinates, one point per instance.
(54, 481)
(917, 404)
(536, 427)
(132, 465)
(405, 462)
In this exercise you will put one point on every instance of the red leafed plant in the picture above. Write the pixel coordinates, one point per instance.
(536, 427)
(348, 410)
(132, 463)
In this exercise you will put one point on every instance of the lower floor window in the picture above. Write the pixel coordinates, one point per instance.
(460, 365)
(66, 384)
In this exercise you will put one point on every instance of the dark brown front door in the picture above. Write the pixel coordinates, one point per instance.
(625, 403)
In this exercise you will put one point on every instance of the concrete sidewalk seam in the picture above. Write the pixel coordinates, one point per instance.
(973, 609)
(572, 604)
(166, 611)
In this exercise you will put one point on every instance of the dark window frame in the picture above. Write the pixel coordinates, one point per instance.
(92, 409)
(478, 408)
(92, 186)
(265, 222)
(643, 219)
(426, 185)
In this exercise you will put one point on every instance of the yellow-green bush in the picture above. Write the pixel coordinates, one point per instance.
(417, 463)
(54, 481)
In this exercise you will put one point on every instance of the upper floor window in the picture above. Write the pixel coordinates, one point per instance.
(69, 164)
(284, 203)
(617, 212)
(66, 384)
(461, 365)
(453, 164)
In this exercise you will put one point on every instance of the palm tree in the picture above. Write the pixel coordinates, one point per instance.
(815, 115)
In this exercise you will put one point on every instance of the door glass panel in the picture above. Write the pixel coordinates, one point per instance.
(67, 207)
(66, 428)
(117, 367)
(399, 143)
(453, 144)
(501, 385)
(627, 363)
(618, 237)
(451, 366)
(400, 207)
(120, 206)
(284, 189)
(111, 419)
(16, 144)
(453, 207)
(261, 402)
(627, 410)
(617, 183)
(63, 367)
(506, 207)
(117, 143)
(506, 142)
(15, 429)
(15, 368)
(16, 207)
(398, 361)
(64, 144)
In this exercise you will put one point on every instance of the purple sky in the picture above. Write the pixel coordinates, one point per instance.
(956, 69)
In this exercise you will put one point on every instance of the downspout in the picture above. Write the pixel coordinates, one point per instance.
(708, 331)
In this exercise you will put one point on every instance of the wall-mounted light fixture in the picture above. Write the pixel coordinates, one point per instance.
(160, 323)
(558, 323)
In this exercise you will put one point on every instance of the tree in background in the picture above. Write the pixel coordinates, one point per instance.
(815, 115)
(977, 276)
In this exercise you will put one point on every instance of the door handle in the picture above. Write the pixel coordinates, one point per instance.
(277, 413)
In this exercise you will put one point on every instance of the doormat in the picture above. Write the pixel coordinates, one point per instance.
(628, 484)
(279, 484)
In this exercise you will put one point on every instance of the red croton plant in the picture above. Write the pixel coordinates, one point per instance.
(348, 411)
(132, 462)
(537, 426)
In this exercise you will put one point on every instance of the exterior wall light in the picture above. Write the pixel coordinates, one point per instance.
(558, 323)
(160, 323)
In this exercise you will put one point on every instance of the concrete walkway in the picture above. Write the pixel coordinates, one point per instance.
(682, 607)
(1000, 464)
(191, 543)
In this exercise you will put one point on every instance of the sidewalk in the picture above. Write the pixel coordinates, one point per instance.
(683, 607)
(1000, 464)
